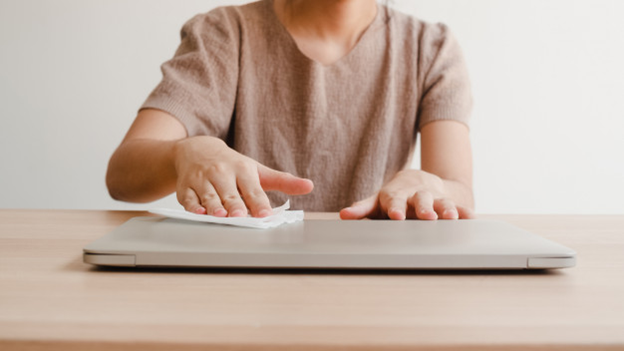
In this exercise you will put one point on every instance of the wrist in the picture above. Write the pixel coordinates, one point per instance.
(174, 155)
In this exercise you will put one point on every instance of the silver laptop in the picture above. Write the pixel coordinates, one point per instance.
(329, 244)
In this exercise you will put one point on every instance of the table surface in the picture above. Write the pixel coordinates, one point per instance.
(51, 300)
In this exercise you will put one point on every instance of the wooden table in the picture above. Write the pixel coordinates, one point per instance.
(51, 300)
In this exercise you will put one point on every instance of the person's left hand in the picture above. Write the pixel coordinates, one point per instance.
(412, 194)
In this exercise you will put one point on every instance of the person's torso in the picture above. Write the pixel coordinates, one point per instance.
(349, 126)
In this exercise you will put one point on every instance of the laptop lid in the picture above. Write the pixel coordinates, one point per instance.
(328, 244)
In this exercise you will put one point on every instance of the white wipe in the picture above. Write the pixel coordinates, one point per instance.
(280, 216)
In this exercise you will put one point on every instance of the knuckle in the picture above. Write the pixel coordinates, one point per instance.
(186, 199)
(245, 166)
(390, 196)
(450, 207)
(447, 203)
(421, 209)
(231, 200)
(422, 195)
(217, 169)
(422, 206)
(255, 194)
(209, 198)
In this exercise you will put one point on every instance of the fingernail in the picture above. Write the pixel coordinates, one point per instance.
(265, 213)
(237, 213)
(200, 210)
(220, 212)
(427, 214)
(398, 213)
(452, 213)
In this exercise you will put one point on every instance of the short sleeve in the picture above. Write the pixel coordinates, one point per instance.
(446, 85)
(199, 83)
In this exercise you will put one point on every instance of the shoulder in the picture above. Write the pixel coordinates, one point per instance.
(432, 46)
(408, 29)
(224, 20)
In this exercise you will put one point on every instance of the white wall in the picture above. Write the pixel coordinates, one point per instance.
(547, 77)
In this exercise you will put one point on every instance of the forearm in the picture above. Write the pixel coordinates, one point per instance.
(461, 194)
(142, 170)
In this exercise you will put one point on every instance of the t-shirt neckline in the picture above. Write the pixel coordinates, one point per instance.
(292, 43)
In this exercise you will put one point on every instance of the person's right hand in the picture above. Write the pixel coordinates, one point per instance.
(216, 180)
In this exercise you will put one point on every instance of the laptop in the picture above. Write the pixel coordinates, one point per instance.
(328, 244)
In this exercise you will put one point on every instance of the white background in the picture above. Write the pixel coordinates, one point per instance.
(547, 77)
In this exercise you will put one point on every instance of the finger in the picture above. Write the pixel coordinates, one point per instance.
(255, 198)
(210, 200)
(188, 198)
(230, 198)
(465, 213)
(422, 202)
(445, 209)
(361, 209)
(271, 179)
(394, 203)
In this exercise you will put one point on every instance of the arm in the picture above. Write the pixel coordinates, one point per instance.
(142, 168)
(446, 152)
(442, 189)
(156, 158)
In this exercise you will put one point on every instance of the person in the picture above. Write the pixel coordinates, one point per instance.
(322, 100)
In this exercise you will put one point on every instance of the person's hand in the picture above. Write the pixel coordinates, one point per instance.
(411, 194)
(216, 180)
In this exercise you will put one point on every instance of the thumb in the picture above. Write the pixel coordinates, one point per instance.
(361, 209)
(287, 183)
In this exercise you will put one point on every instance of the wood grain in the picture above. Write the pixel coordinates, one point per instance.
(50, 300)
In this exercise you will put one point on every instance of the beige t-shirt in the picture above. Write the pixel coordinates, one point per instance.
(349, 127)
